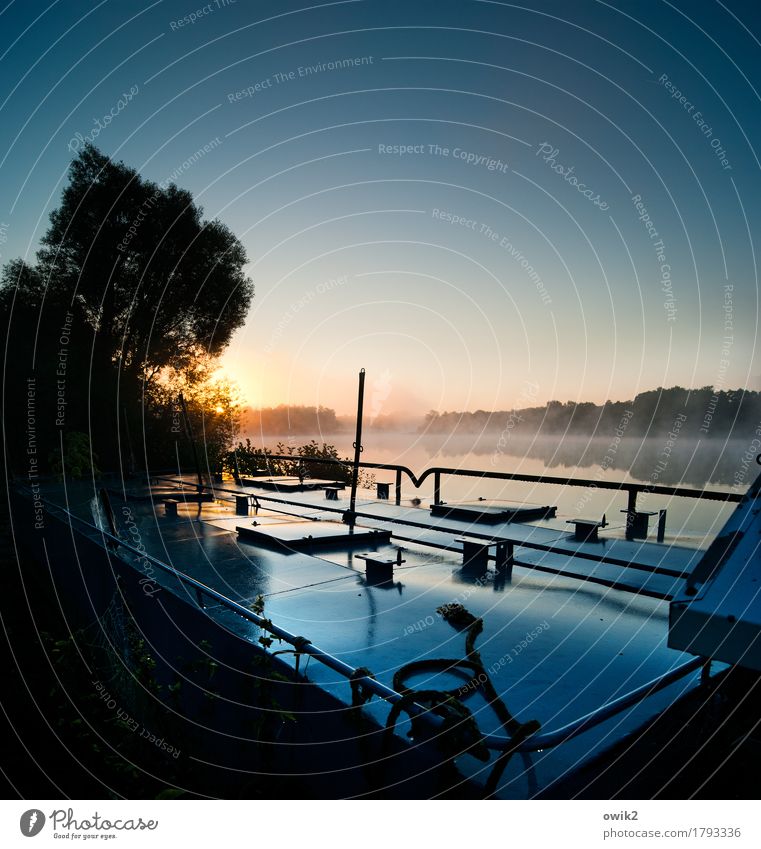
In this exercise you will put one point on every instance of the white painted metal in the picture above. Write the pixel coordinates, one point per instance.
(717, 613)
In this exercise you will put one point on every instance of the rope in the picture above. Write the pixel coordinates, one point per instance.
(299, 643)
(459, 733)
(360, 693)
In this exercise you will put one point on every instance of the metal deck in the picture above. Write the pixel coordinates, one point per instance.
(491, 513)
(574, 628)
(306, 535)
(285, 483)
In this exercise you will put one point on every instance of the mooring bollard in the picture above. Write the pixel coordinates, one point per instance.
(504, 559)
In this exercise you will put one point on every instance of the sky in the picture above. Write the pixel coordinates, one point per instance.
(484, 204)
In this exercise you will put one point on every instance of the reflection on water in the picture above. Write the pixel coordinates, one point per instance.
(668, 462)
(701, 464)
(684, 462)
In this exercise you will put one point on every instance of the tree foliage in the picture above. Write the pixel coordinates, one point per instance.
(707, 412)
(248, 459)
(291, 418)
(132, 289)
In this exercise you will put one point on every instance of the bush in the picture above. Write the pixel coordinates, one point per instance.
(305, 463)
(78, 461)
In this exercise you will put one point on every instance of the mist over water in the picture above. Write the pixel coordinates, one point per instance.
(727, 465)
(688, 462)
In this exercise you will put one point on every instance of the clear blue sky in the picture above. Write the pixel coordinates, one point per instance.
(456, 285)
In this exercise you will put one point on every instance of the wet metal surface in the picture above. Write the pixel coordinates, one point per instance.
(295, 535)
(490, 512)
(556, 647)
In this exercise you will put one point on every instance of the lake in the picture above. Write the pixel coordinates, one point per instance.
(700, 464)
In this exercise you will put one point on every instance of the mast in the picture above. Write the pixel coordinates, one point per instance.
(357, 448)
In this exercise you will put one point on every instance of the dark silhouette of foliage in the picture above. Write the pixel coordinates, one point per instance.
(295, 419)
(708, 414)
(250, 460)
(131, 285)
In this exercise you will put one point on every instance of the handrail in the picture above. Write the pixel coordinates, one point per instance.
(624, 486)
(359, 514)
(553, 738)
(305, 646)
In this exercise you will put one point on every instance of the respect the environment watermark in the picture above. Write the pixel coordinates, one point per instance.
(200, 13)
(292, 74)
(488, 232)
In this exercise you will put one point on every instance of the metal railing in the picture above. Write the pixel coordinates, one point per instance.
(631, 488)
(304, 646)
(215, 488)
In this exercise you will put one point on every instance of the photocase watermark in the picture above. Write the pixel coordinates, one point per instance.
(148, 583)
(747, 460)
(607, 460)
(300, 72)
(64, 820)
(31, 452)
(697, 116)
(78, 141)
(3, 236)
(32, 822)
(669, 304)
(142, 214)
(490, 233)
(469, 157)
(208, 9)
(727, 340)
(668, 447)
(297, 306)
(63, 357)
(549, 154)
(506, 658)
(527, 396)
(507, 245)
(149, 203)
(422, 624)
(132, 724)
(176, 412)
(190, 161)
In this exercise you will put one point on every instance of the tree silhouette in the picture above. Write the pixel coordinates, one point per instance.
(141, 284)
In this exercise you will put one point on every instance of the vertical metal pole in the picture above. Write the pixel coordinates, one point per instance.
(705, 671)
(661, 525)
(631, 510)
(131, 464)
(189, 431)
(398, 487)
(504, 559)
(437, 488)
(357, 447)
(109, 511)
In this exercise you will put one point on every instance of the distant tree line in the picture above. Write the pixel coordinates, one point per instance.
(700, 413)
(295, 419)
